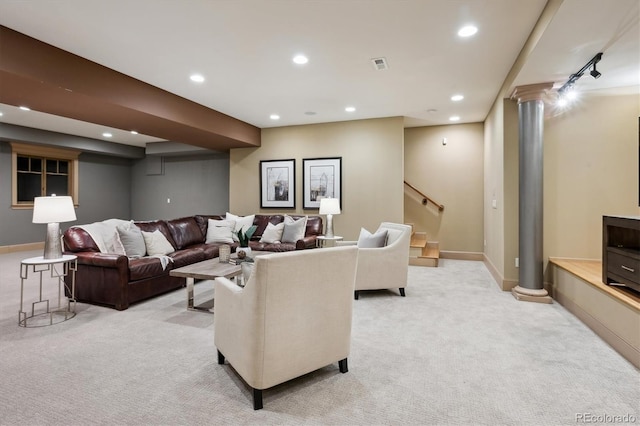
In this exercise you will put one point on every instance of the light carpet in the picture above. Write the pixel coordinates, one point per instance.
(455, 351)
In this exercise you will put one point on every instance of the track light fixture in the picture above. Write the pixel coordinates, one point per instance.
(568, 86)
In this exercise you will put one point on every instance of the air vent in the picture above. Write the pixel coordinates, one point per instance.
(379, 64)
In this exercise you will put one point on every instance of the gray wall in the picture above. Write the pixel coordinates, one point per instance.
(104, 191)
(115, 187)
(105, 188)
(194, 184)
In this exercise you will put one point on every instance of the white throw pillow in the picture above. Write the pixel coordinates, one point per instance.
(294, 230)
(273, 233)
(132, 240)
(369, 240)
(157, 243)
(242, 222)
(220, 231)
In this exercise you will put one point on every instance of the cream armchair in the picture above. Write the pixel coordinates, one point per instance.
(292, 317)
(385, 267)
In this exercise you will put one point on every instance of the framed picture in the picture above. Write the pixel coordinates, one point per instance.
(322, 178)
(278, 184)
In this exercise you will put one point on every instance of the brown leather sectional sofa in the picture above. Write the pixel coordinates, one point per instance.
(117, 281)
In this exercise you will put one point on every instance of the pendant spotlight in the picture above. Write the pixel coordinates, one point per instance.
(566, 91)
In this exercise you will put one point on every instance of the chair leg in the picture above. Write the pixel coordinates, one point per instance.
(220, 358)
(343, 365)
(257, 399)
(402, 292)
(356, 294)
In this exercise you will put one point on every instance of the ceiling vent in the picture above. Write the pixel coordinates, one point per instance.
(380, 64)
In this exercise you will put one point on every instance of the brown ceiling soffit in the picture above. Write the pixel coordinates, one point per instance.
(15, 89)
(57, 82)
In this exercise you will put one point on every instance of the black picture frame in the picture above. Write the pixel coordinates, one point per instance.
(278, 184)
(321, 177)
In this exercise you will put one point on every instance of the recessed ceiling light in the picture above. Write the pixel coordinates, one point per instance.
(350, 109)
(456, 98)
(133, 132)
(454, 118)
(24, 108)
(274, 117)
(300, 59)
(107, 135)
(1, 113)
(197, 78)
(467, 31)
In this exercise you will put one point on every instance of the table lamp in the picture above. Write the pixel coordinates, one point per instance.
(329, 206)
(53, 210)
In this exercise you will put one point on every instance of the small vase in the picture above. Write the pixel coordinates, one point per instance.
(246, 250)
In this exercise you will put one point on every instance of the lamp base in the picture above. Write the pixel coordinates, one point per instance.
(53, 243)
(329, 232)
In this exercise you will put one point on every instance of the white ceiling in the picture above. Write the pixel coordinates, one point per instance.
(244, 49)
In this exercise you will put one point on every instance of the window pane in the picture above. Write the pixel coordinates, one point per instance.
(52, 166)
(57, 184)
(36, 164)
(63, 167)
(23, 164)
(28, 187)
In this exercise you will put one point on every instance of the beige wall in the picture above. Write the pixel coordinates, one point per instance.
(511, 190)
(372, 169)
(590, 170)
(494, 189)
(452, 175)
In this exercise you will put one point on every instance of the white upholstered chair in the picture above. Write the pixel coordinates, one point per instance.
(293, 316)
(384, 267)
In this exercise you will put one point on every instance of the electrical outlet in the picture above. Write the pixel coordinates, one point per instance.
(517, 262)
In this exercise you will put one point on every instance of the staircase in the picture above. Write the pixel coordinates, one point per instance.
(423, 252)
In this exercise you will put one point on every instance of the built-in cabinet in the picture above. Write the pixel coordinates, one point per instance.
(621, 250)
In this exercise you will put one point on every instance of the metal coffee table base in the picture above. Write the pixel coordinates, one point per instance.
(202, 307)
(205, 270)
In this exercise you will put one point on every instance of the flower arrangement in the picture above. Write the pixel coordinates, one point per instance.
(245, 236)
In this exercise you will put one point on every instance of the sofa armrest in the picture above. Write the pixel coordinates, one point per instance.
(101, 278)
(306, 243)
(105, 260)
(346, 243)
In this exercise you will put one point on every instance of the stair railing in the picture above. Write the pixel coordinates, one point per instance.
(425, 199)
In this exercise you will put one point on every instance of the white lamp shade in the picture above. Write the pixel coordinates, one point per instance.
(329, 206)
(53, 209)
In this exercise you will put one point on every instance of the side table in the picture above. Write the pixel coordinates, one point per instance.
(68, 264)
(321, 241)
